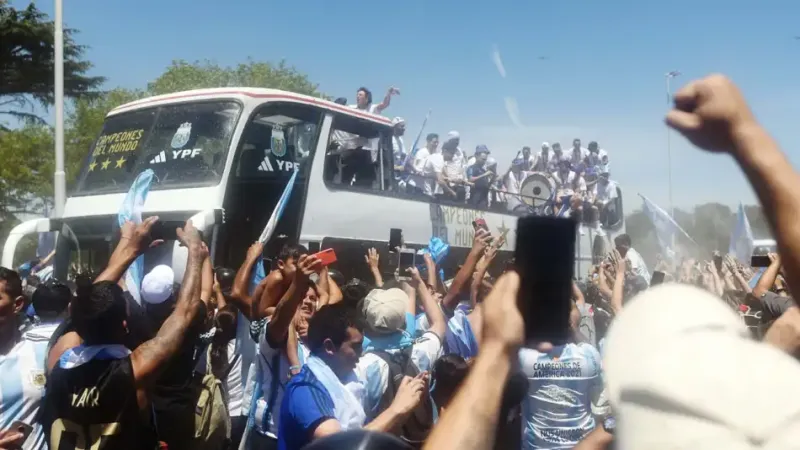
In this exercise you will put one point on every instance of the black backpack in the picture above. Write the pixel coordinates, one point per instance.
(420, 422)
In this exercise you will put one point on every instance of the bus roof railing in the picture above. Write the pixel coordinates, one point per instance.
(255, 93)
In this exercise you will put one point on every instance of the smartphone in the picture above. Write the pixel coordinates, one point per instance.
(327, 256)
(395, 239)
(760, 261)
(163, 231)
(657, 278)
(314, 247)
(23, 428)
(406, 260)
(480, 223)
(545, 259)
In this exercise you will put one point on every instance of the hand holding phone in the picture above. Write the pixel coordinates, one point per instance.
(21, 427)
(406, 260)
(326, 257)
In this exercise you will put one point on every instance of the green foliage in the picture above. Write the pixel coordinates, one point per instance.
(27, 59)
(182, 75)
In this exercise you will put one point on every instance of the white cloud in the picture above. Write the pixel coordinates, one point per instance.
(498, 62)
(512, 108)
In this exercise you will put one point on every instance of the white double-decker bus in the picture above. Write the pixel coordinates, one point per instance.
(223, 157)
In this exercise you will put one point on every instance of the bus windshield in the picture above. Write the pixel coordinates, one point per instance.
(185, 144)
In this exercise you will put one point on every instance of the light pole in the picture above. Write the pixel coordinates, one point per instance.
(669, 76)
(59, 177)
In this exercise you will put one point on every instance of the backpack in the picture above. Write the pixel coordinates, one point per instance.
(212, 425)
(420, 422)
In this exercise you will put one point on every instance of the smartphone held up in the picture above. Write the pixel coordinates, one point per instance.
(545, 260)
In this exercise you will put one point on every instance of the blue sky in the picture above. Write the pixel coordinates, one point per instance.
(603, 81)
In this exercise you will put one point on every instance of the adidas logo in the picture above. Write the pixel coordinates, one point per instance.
(160, 158)
(266, 165)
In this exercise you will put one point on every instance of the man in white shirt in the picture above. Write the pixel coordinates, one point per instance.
(364, 100)
(513, 184)
(529, 159)
(577, 153)
(635, 260)
(558, 153)
(399, 151)
(417, 180)
(601, 198)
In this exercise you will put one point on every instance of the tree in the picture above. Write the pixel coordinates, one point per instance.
(182, 75)
(27, 56)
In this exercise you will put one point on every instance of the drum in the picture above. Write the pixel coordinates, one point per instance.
(537, 189)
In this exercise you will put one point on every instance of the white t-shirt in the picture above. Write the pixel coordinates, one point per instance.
(434, 165)
(365, 143)
(267, 424)
(513, 185)
(374, 372)
(605, 193)
(418, 164)
(638, 265)
(22, 384)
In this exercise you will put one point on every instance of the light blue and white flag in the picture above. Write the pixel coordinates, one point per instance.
(415, 147)
(259, 273)
(131, 210)
(666, 227)
(741, 244)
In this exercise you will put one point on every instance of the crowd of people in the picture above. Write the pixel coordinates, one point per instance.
(573, 180)
(408, 360)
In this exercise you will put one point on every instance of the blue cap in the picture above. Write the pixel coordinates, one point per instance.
(482, 149)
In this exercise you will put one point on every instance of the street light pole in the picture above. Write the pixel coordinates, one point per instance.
(669, 76)
(59, 178)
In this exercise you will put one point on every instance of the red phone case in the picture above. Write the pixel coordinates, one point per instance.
(327, 256)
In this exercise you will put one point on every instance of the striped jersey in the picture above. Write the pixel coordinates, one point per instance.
(22, 382)
(563, 384)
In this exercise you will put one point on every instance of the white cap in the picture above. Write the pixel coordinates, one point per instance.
(453, 135)
(398, 120)
(157, 285)
(385, 310)
(683, 372)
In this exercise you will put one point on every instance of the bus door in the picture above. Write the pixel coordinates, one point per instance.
(279, 139)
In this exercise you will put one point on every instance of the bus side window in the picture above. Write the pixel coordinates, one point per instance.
(279, 139)
(354, 154)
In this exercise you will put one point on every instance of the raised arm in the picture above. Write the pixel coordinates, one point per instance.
(464, 275)
(768, 277)
(438, 323)
(240, 291)
(134, 240)
(713, 114)
(284, 313)
(387, 100)
(151, 357)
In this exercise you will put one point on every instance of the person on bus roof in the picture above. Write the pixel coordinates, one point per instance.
(364, 100)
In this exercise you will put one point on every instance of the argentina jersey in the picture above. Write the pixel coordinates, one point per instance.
(22, 381)
(562, 385)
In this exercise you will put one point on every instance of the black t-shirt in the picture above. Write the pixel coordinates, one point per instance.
(477, 170)
(176, 391)
(94, 405)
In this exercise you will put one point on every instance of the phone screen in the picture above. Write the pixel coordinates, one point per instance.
(657, 278)
(22, 427)
(545, 260)
(406, 261)
(395, 239)
(760, 261)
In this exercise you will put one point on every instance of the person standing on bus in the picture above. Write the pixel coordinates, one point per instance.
(364, 100)
(480, 177)
(417, 180)
(100, 386)
(399, 151)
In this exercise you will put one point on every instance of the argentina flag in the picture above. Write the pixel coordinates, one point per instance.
(415, 147)
(259, 272)
(131, 210)
(741, 244)
(666, 228)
